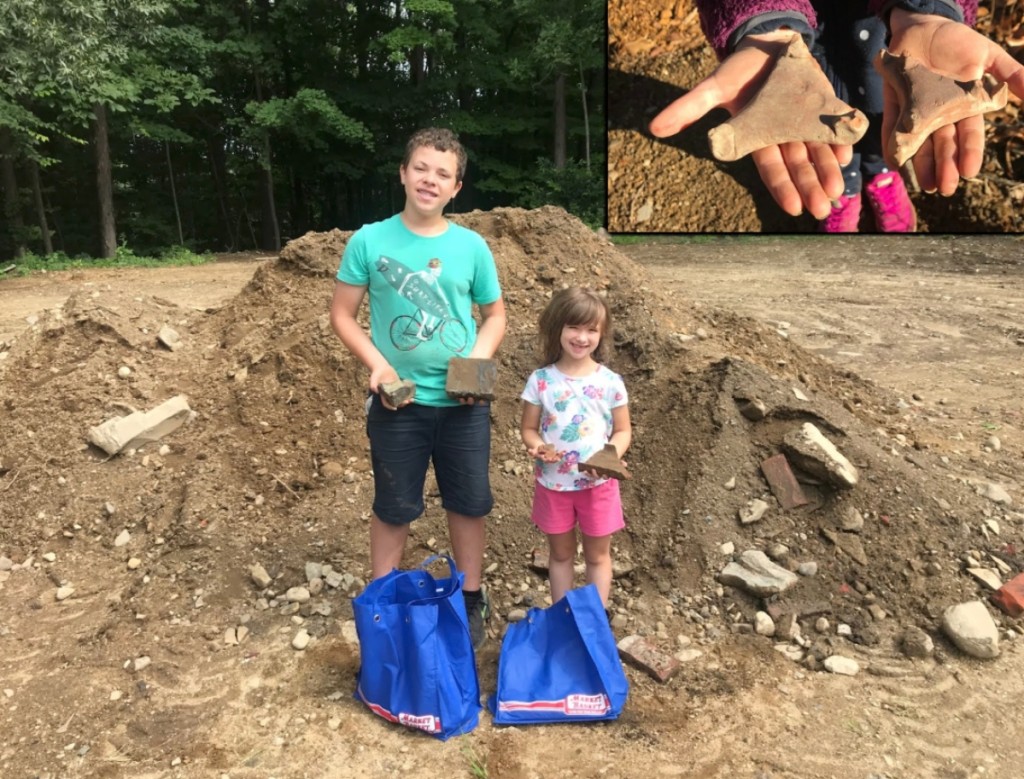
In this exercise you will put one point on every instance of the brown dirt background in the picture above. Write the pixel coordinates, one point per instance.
(909, 354)
(656, 52)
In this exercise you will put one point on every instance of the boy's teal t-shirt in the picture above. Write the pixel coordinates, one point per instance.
(422, 291)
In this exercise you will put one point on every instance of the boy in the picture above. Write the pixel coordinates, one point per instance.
(423, 274)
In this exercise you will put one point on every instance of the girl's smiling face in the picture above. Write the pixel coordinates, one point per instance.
(578, 342)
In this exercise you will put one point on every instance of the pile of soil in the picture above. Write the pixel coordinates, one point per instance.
(274, 470)
(656, 52)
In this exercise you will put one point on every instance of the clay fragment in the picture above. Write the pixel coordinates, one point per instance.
(606, 463)
(796, 102)
(929, 100)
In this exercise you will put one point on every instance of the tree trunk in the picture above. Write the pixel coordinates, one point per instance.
(104, 183)
(559, 146)
(586, 117)
(37, 196)
(11, 205)
(174, 193)
(271, 231)
(218, 168)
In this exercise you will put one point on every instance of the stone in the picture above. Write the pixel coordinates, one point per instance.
(847, 543)
(397, 392)
(63, 593)
(987, 576)
(122, 538)
(809, 450)
(755, 573)
(845, 666)
(997, 494)
(259, 576)
(301, 640)
(471, 378)
(169, 337)
(916, 643)
(139, 428)
(753, 409)
(297, 595)
(764, 625)
(851, 521)
(754, 511)
(970, 627)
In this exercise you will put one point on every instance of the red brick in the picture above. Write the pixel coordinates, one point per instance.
(784, 485)
(1010, 597)
(642, 654)
(471, 378)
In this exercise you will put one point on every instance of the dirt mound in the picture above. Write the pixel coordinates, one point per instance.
(274, 470)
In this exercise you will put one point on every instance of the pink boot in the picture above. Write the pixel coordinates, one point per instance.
(844, 217)
(894, 213)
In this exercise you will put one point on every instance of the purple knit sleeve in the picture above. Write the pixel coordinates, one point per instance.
(947, 8)
(719, 18)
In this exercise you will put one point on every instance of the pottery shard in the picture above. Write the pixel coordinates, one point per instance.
(929, 100)
(606, 463)
(847, 543)
(471, 378)
(783, 483)
(397, 392)
(796, 102)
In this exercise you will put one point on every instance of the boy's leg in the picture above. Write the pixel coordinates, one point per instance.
(400, 443)
(561, 556)
(468, 539)
(387, 542)
(597, 551)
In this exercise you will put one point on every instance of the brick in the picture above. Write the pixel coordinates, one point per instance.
(1010, 597)
(606, 463)
(469, 377)
(783, 483)
(642, 654)
(397, 392)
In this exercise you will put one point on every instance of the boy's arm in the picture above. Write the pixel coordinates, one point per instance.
(622, 430)
(492, 329)
(344, 308)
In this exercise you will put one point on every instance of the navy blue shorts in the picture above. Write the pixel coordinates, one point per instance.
(457, 439)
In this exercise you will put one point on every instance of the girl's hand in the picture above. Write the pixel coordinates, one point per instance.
(545, 453)
(954, 151)
(798, 175)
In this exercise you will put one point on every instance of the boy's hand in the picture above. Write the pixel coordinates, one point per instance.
(380, 376)
(798, 175)
(954, 151)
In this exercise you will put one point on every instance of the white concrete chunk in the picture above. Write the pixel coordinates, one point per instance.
(970, 627)
(141, 427)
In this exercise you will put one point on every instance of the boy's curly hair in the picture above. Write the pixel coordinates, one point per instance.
(441, 139)
(574, 306)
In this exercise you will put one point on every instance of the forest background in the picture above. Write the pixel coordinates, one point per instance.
(235, 125)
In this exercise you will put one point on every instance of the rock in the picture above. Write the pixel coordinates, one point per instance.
(731, 484)
(752, 408)
(997, 494)
(987, 576)
(109, 508)
(138, 428)
(169, 337)
(810, 451)
(63, 593)
(970, 627)
(763, 624)
(141, 663)
(755, 573)
(754, 511)
(916, 643)
(727, 548)
(807, 569)
(994, 443)
(259, 576)
(134, 563)
(124, 371)
(516, 615)
(6, 563)
(301, 640)
(845, 666)
(851, 521)
(297, 595)
(122, 538)
(848, 543)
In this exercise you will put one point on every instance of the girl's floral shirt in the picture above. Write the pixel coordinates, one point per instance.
(575, 416)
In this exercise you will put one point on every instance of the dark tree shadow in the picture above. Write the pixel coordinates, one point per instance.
(633, 100)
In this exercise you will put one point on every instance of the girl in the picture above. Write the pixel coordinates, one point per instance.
(574, 406)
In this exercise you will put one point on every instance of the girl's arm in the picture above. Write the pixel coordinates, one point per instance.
(622, 430)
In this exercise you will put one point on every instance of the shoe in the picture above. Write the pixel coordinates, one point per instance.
(894, 213)
(845, 216)
(478, 609)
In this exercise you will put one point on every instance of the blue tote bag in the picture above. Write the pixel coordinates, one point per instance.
(560, 664)
(417, 665)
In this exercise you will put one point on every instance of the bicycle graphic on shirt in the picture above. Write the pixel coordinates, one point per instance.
(408, 332)
(433, 312)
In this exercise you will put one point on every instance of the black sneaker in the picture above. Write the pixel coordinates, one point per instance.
(478, 609)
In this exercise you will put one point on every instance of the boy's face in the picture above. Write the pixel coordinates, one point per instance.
(429, 180)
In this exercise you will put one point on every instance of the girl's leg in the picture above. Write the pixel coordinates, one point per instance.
(597, 551)
(561, 556)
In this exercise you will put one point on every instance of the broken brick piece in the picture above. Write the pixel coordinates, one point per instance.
(796, 102)
(783, 483)
(640, 653)
(1010, 597)
(470, 377)
(928, 100)
(606, 463)
(398, 391)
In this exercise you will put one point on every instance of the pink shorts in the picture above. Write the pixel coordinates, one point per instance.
(598, 510)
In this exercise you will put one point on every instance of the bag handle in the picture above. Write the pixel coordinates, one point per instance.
(453, 570)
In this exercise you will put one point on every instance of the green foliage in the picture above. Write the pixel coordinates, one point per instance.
(124, 258)
(477, 765)
(311, 118)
